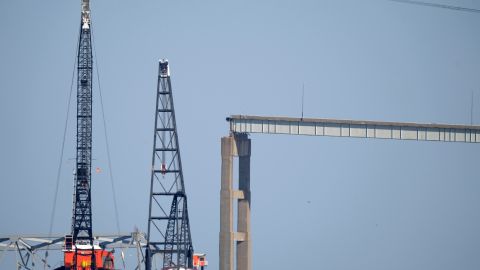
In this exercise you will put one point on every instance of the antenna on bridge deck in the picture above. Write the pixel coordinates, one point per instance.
(303, 96)
(471, 111)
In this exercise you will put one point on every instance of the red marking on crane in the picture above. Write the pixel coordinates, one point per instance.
(164, 168)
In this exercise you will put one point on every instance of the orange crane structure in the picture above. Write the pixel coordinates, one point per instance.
(168, 234)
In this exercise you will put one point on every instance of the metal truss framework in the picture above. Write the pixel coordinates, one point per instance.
(354, 128)
(168, 223)
(82, 208)
(27, 246)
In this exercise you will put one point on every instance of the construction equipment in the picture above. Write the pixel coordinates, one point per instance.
(168, 225)
(168, 229)
(80, 250)
(28, 247)
(199, 261)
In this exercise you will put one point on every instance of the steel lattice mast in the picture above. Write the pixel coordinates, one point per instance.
(82, 208)
(168, 224)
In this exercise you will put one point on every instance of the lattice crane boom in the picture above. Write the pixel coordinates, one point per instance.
(80, 249)
(82, 208)
(168, 223)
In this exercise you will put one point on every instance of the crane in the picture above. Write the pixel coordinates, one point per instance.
(168, 224)
(239, 144)
(80, 249)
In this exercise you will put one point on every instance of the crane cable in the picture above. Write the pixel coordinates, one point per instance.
(427, 4)
(59, 170)
(117, 220)
(52, 217)
(112, 182)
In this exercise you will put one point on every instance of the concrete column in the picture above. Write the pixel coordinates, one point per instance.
(244, 245)
(227, 235)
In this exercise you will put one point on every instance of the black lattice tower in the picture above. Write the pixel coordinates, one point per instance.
(82, 203)
(168, 224)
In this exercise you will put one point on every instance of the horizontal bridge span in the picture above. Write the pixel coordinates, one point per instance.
(56, 242)
(354, 128)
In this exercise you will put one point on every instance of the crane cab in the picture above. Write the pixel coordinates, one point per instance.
(199, 261)
(79, 256)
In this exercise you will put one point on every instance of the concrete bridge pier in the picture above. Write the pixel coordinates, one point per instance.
(235, 145)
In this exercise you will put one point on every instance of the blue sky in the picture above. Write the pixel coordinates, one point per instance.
(373, 204)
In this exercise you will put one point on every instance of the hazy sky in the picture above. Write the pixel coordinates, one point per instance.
(317, 203)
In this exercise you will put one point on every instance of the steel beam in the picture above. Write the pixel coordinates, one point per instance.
(56, 242)
(354, 128)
